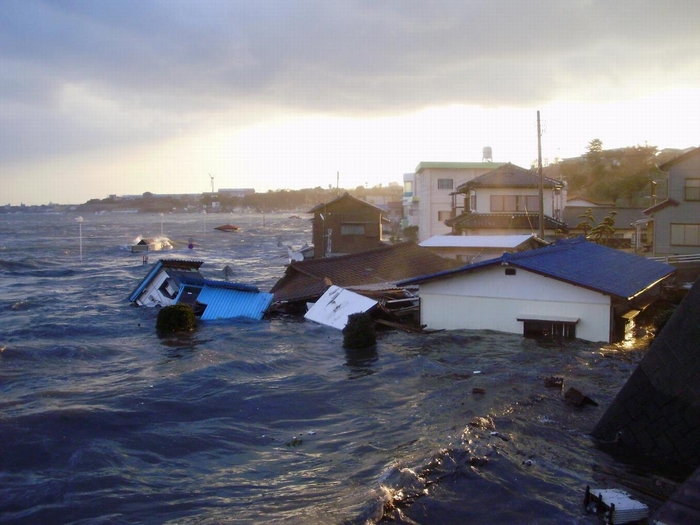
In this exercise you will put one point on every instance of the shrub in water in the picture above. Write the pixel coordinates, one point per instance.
(359, 331)
(176, 318)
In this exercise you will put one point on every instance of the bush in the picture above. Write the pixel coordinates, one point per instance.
(176, 318)
(359, 331)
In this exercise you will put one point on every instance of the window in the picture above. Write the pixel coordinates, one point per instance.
(445, 184)
(408, 187)
(444, 215)
(692, 189)
(518, 203)
(549, 329)
(685, 234)
(352, 229)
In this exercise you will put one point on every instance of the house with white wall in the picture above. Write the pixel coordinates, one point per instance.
(432, 190)
(673, 225)
(572, 288)
(506, 201)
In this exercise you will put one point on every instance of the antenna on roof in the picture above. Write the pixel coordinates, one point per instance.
(212, 182)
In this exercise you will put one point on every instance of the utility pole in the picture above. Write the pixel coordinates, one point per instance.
(539, 173)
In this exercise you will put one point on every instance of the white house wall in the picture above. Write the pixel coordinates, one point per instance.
(151, 295)
(491, 300)
(432, 200)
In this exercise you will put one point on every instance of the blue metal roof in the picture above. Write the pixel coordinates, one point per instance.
(579, 262)
(197, 279)
(227, 303)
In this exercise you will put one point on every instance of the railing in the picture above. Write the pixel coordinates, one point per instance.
(677, 259)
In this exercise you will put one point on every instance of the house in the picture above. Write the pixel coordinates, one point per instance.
(372, 273)
(475, 248)
(506, 200)
(572, 288)
(346, 225)
(180, 282)
(673, 225)
(429, 194)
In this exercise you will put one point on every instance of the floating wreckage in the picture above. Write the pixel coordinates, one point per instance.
(172, 282)
(227, 228)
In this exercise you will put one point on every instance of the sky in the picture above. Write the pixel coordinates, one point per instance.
(103, 97)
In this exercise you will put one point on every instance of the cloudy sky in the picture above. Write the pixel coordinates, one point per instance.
(103, 97)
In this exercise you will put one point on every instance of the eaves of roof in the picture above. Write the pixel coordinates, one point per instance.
(345, 196)
(679, 158)
(509, 176)
(578, 262)
(660, 206)
(457, 165)
(513, 221)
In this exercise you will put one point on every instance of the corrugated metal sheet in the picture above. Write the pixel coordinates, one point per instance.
(223, 303)
(334, 307)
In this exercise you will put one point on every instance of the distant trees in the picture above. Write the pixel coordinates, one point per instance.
(622, 176)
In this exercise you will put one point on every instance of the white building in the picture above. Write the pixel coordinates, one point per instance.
(429, 193)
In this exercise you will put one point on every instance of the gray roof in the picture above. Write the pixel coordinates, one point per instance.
(509, 176)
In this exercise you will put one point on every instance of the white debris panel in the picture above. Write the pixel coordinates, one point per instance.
(335, 306)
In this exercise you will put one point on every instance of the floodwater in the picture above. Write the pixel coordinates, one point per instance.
(103, 421)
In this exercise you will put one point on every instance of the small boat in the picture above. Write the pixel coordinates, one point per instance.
(227, 228)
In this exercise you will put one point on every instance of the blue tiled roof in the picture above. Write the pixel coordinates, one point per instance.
(579, 262)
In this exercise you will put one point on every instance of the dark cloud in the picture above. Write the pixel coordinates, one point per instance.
(188, 59)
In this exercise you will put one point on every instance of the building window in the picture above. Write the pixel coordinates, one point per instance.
(692, 189)
(515, 203)
(444, 215)
(685, 234)
(408, 187)
(445, 184)
(472, 202)
(352, 229)
(549, 329)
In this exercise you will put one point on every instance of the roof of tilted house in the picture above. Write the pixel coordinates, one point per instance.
(177, 266)
(505, 221)
(578, 262)
(509, 176)
(304, 280)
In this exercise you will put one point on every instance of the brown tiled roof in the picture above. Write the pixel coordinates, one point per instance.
(345, 196)
(309, 279)
(509, 176)
(515, 221)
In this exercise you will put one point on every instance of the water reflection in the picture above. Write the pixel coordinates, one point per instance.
(360, 361)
